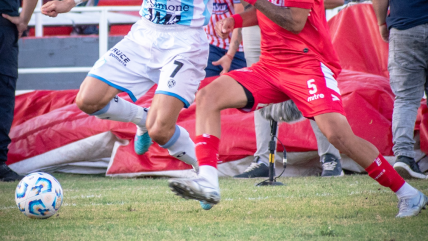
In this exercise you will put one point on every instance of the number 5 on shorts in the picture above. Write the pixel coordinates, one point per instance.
(179, 65)
(312, 87)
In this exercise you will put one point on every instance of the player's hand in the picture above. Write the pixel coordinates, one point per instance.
(52, 8)
(384, 32)
(224, 27)
(224, 62)
(21, 25)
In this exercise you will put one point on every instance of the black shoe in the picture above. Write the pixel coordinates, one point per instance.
(408, 168)
(331, 166)
(255, 170)
(7, 175)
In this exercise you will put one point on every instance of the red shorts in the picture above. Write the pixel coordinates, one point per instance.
(313, 90)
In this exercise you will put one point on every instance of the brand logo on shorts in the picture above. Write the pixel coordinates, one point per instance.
(315, 97)
(171, 83)
(119, 56)
(116, 98)
(181, 154)
(335, 98)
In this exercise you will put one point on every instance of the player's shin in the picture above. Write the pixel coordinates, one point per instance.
(385, 175)
(119, 109)
(207, 153)
(182, 147)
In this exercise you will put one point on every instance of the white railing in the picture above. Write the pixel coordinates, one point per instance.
(102, 35)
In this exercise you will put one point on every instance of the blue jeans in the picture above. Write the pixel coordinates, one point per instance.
(408, 66)
(215, 54)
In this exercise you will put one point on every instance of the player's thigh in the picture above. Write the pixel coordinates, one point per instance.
(94, 91)
(224, 92)
(333, 124)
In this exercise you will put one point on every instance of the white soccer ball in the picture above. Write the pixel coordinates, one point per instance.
(38, 195)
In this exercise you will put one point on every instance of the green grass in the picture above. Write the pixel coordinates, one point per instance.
(307, 208)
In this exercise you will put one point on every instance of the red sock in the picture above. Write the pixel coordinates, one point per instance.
(384, 174)
(206, 147)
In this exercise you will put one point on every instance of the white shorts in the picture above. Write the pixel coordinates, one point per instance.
(174, 57)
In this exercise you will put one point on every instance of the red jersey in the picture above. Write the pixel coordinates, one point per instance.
(284, 49)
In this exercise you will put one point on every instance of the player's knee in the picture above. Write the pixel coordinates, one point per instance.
(205, 99)
(88, 106)
(160, 132)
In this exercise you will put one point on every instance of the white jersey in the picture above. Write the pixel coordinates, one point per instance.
(193, 13)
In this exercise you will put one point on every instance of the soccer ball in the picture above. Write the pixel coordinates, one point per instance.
(38, 195)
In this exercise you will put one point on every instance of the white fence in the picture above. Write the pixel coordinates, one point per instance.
(103, 35)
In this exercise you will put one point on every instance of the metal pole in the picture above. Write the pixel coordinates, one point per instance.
(39, 22)
(103, 33)
(272, 149)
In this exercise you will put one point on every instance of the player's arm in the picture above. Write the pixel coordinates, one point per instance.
(236, 38)
(330, 4)
(292, 18)
(381, 9)
(235, 41)
(246, 19)
(24, 17)
(52, 8)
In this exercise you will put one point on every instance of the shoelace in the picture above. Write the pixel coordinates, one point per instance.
(329, 166)
(402, 204)
(252, 167)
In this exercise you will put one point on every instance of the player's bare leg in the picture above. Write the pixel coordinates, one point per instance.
(222, 93)
(338, 131)
(94, 94)
(97, 98)
(162, 128)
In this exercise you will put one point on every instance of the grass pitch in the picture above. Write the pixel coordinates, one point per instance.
(308, 208)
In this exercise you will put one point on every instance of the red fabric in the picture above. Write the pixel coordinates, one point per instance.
(206, 147)
(252, 2)
(119, 2)
(422, 126)
(298, 4)
(356, 38)
(301, 52)
(384, 174)
(238, 20)
(310, 91)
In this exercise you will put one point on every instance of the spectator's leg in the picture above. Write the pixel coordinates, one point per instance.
(406, 65)
(8, 77)
(238, 61)
(7, 106)
(215, 54)
(329, 155)
(251, 39)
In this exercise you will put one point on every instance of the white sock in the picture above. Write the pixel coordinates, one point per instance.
(406, 191)
(181, 146)
(210, 174)
(119, 109)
